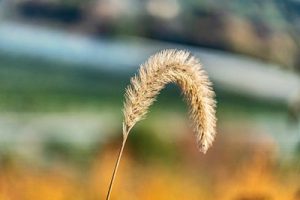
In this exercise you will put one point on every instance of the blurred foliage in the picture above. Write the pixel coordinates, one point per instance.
(146, 145)
(35, 85)
(297, 150)
(267, 30)
(56, 150)
(258, 177)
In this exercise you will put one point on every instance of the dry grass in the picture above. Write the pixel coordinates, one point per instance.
(255, 180)
(181, 68)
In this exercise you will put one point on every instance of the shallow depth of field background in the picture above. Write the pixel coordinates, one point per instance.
(64, 66)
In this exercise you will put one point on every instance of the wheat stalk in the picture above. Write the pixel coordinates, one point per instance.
(170, 66)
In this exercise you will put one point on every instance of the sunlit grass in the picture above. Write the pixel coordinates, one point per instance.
(257, 178)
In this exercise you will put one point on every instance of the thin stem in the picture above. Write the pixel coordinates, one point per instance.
(116, 168)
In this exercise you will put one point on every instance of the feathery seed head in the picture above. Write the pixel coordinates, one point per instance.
(181, 68)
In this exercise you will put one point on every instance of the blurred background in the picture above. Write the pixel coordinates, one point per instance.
(64, 66)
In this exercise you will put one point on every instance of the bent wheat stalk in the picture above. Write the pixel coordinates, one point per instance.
(170, 66)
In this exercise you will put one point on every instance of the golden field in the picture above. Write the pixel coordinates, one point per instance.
(256, 176)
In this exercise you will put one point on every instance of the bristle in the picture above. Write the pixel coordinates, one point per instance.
(183, 69)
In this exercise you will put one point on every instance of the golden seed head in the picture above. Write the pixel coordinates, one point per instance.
(183, 69)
